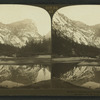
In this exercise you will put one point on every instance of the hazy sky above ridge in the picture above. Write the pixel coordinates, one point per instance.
(12, 13)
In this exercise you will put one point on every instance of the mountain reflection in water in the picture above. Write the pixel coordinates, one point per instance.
(23, 75)
(85, 76)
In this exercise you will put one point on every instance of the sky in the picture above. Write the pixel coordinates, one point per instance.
(13, 13)
(88, 14)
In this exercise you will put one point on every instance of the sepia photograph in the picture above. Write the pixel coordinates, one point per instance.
(25, 47)
(46, 54)
(76, 49)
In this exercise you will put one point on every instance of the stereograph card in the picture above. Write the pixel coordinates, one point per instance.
(49, 50)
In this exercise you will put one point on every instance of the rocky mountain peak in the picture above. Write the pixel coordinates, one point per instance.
(18, 33)
(76, 30)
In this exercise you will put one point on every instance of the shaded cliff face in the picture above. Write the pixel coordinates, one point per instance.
(77, 31)
(18, 33)
(86, 76)
(20, 75)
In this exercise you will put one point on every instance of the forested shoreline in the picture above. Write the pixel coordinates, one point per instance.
(64, 46)
(32, 48)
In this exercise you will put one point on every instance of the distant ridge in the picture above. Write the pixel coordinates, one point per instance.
(18, 33)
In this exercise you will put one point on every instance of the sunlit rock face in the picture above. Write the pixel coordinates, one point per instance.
(22, 75)
(85, 76)
(76, 30)
(19, 33)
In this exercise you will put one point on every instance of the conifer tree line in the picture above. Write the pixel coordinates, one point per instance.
(64, 46)
(32, 48)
